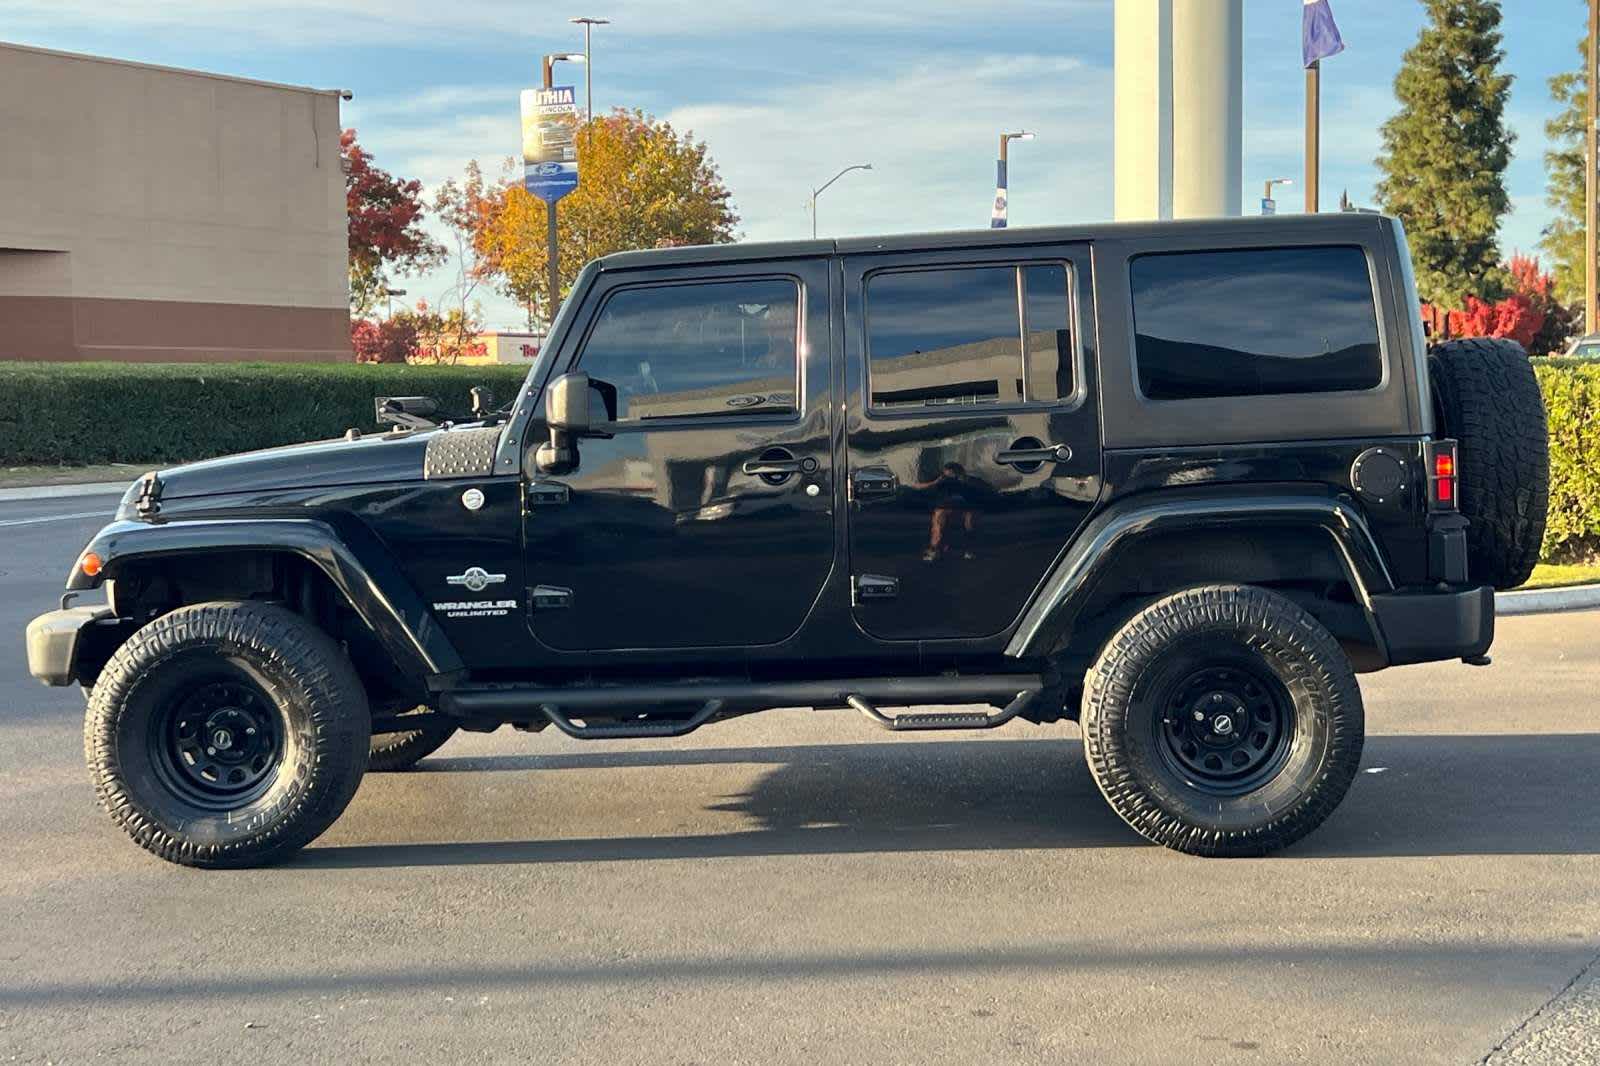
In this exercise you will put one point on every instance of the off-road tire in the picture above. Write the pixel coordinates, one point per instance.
(1486, 396)
(303, 687)
(1126, 718)
(402, 751)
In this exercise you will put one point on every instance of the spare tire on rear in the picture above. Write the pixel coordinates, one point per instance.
(1486, 397)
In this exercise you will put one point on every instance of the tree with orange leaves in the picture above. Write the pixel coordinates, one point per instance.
(643, 185)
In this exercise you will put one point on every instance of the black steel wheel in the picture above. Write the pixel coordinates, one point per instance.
(1222, 720)
(1227, 726)
(220, 743)
(226, 734)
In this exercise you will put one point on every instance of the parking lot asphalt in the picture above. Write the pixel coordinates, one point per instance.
(797, 887)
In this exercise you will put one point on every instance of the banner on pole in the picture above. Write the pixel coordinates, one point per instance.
(550, 142)
(997, 217)
(1319, 35)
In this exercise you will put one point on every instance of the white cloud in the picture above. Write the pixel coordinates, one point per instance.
(930, 132)
(427, 21)
(930, 129)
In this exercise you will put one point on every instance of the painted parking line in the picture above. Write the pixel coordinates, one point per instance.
(54, 518)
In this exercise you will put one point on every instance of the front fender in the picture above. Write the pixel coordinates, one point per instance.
(1094, 551)
(359, 566)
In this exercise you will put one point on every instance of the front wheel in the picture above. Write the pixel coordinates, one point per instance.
(1223, 721)
(226, 734)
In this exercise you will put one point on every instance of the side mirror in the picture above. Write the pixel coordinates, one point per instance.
(566, 404)
(570, 413)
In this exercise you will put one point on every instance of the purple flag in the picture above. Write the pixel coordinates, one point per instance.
(1319, 36)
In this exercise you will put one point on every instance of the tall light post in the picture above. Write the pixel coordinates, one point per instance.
(823, 187)
(552, 254)
(1591, 195)
(588, 24)
(1001, 195)
(391, 294)
(1269, 206)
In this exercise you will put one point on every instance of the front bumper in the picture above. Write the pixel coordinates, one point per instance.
(54, 641)
(1428, 626)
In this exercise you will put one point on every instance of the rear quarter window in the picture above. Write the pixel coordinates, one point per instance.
(1255, 322)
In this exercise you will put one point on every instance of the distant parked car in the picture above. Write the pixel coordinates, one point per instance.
(1586, 347)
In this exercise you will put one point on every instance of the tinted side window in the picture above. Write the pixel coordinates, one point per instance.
(1253, 323)
(958, 337)
(711, 348)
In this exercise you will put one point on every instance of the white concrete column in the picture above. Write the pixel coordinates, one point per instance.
(1179, 108)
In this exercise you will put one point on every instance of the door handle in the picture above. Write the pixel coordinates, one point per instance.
(757, 467)
(1054, 453)
(777, 465)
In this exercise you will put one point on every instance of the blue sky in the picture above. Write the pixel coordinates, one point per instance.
(785, 93)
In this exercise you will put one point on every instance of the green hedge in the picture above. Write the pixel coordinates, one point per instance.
(1572, 402)
(87, 413)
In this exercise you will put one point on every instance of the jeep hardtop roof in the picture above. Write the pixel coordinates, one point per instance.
(1273, 228)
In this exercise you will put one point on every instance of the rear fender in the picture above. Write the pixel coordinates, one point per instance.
(1093, 554)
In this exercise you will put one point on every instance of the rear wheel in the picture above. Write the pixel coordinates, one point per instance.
(226, 734)
(1222, 720)
(1486, 396)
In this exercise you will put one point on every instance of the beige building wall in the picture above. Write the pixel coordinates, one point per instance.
(159, 214)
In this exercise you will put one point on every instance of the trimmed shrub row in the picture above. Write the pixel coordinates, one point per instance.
(87, 413)
(1572, 403)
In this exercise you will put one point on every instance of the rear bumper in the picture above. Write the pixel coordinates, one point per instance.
(1423, 627)
(53, 641)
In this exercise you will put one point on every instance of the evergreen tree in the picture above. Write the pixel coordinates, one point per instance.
(1445, 153)
(1563, 239)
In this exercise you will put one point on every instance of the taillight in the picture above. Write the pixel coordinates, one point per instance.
(1440, 456)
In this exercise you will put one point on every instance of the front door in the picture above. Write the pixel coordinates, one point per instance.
(707, 519)
(973, 433)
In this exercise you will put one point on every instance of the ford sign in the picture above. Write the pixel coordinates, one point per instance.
(547, 170)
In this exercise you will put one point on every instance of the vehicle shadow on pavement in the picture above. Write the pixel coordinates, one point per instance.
(1415, 796)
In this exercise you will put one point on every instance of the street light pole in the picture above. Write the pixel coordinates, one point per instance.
(552, 251)
(588, 62)
(820, 189)
(588, 24)
(1268, 204)
(1313, 137)
(1002, 184)
(1591, 214)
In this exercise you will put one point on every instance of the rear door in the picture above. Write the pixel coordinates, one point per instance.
(972, 433)
(707, 519)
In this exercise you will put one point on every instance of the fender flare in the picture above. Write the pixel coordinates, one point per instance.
(357, 564)
(1093, 552)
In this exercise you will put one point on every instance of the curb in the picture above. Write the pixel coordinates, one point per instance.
(1540, 601)
(60, 492)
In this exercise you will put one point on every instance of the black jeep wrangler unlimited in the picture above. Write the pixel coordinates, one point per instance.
(1179, 482)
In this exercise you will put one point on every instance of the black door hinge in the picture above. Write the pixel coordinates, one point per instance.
(551, 597)
(547, 494)
(875, 587)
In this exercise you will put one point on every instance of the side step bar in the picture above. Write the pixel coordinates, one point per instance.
(632, 728)
(627, 703)
(900, 723)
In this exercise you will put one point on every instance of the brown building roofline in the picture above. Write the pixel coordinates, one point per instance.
(12, 46)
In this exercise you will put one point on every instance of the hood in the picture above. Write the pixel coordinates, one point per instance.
(363, 461)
